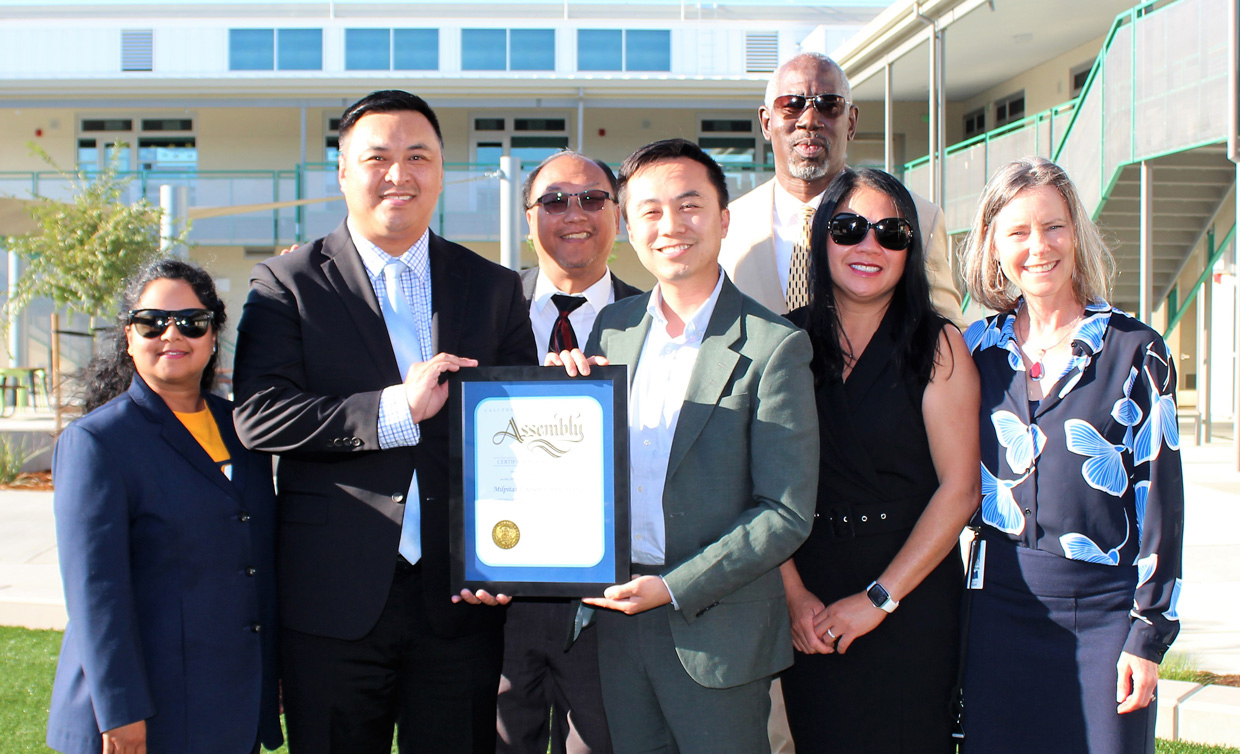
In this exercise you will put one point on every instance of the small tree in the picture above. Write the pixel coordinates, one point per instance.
(83, 252)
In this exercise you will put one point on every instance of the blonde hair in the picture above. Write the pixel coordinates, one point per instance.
(1093, 268)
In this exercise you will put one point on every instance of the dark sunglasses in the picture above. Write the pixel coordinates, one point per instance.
(829, 105)
(556, 203)
(891, 233)
(151, 323)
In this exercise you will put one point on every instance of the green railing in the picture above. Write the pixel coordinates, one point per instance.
(1213, 253)
(468, 208)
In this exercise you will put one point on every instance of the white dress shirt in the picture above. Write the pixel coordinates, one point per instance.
(659, 383)
(543, 312)
(787, 227)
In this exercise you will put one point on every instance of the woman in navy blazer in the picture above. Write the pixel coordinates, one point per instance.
(166, 544)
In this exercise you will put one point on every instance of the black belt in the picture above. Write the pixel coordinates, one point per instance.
(849, 521)
(643, 569)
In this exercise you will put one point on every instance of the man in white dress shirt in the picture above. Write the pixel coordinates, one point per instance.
(809, 118)
(547, 692)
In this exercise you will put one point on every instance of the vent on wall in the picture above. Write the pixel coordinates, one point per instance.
(136, 45)
(761, 51)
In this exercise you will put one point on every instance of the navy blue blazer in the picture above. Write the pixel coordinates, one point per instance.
(169, 576)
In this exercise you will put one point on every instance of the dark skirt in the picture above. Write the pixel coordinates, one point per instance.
(890, 693)
(1040, 671)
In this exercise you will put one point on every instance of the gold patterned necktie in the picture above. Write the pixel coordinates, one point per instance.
(798, 273)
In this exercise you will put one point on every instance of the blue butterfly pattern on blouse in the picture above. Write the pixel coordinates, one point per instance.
(1126, 411)
(1104, 468)
(1172, 613)
(1023, 443)
(999, 508)
(1160, 426)
(1080, 547)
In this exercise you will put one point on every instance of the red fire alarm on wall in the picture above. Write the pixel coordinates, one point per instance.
(602, 132)
(38, 132)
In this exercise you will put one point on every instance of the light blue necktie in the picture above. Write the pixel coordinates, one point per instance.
(403, 332)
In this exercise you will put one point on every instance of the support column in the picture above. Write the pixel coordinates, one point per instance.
(1205, 351)
(933, 135)
(14, 318)
(509, 193)
(889, 147)
(1145, 305)
(174, 206)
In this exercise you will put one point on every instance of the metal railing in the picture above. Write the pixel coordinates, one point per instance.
(1157, 87)
(468, 208)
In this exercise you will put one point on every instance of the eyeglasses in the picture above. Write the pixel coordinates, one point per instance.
(556, 203)
(829, 105)
(151, 323)
(891, 233)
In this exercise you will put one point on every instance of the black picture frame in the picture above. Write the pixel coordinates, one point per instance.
(582, 415)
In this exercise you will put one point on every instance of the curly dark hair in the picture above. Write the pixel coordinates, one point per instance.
(917, 325)
(110, 372)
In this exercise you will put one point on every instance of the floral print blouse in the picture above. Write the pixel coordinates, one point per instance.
(1092, 471)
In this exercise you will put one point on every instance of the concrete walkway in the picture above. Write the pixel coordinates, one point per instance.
(1209, 607)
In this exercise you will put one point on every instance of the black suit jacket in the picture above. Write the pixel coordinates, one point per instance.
(313, 356)
(619, 288)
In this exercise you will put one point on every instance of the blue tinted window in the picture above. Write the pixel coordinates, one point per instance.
(415, 49)
(251, 49)
(367, 50)
(648, 50)
(484, 49)
(532, 49)
(599, 49)
(300, 49)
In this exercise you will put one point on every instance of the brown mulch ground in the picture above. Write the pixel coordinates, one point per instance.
(39, 481)
(1219, 680)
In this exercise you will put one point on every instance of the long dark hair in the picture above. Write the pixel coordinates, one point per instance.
(110, 372)
(916, 326)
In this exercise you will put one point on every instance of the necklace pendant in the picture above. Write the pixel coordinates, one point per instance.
(1036, 371)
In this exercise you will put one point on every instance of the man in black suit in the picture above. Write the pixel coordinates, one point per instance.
(340, 353)
(548, 693)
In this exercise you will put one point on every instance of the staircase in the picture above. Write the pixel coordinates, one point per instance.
(1188, 189)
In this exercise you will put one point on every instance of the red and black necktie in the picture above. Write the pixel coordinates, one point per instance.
(562, 336)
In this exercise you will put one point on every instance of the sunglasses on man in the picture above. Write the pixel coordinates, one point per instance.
(151, 323)
(892, 233)
(827, 105)
(556, 202)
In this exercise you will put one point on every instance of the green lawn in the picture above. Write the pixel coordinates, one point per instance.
(28, 662)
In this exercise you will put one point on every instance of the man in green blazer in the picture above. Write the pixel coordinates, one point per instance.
(723, 439)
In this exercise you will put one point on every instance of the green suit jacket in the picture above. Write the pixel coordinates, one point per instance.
(742, 476)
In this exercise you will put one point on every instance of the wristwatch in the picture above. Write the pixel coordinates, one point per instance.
(881, 597)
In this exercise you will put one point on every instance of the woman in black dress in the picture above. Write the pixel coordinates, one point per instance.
(897, 395)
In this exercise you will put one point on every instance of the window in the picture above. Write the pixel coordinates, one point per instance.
(299, 49)
(974, 123)
(280, 49)
(137, 49)
(415, 49)
(331, 140)
(251, 49)
(367, 49)
(531, 139)
(508, 50)
(647, 51)
(1009, 109)
(161, 143)
(729, 140)
(1078, 76)
(532, 49)
(484, 49)
(617, 50)
(391, 49)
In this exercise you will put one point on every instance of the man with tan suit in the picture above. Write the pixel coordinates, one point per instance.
(809, 118)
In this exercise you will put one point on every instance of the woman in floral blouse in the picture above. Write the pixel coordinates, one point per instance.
(1083, 496)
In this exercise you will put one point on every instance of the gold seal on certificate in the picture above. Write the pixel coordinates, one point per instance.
(506, 535)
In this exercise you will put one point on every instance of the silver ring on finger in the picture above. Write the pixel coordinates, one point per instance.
(832, 635)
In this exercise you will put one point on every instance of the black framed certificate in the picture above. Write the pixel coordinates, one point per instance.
(540, 480)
